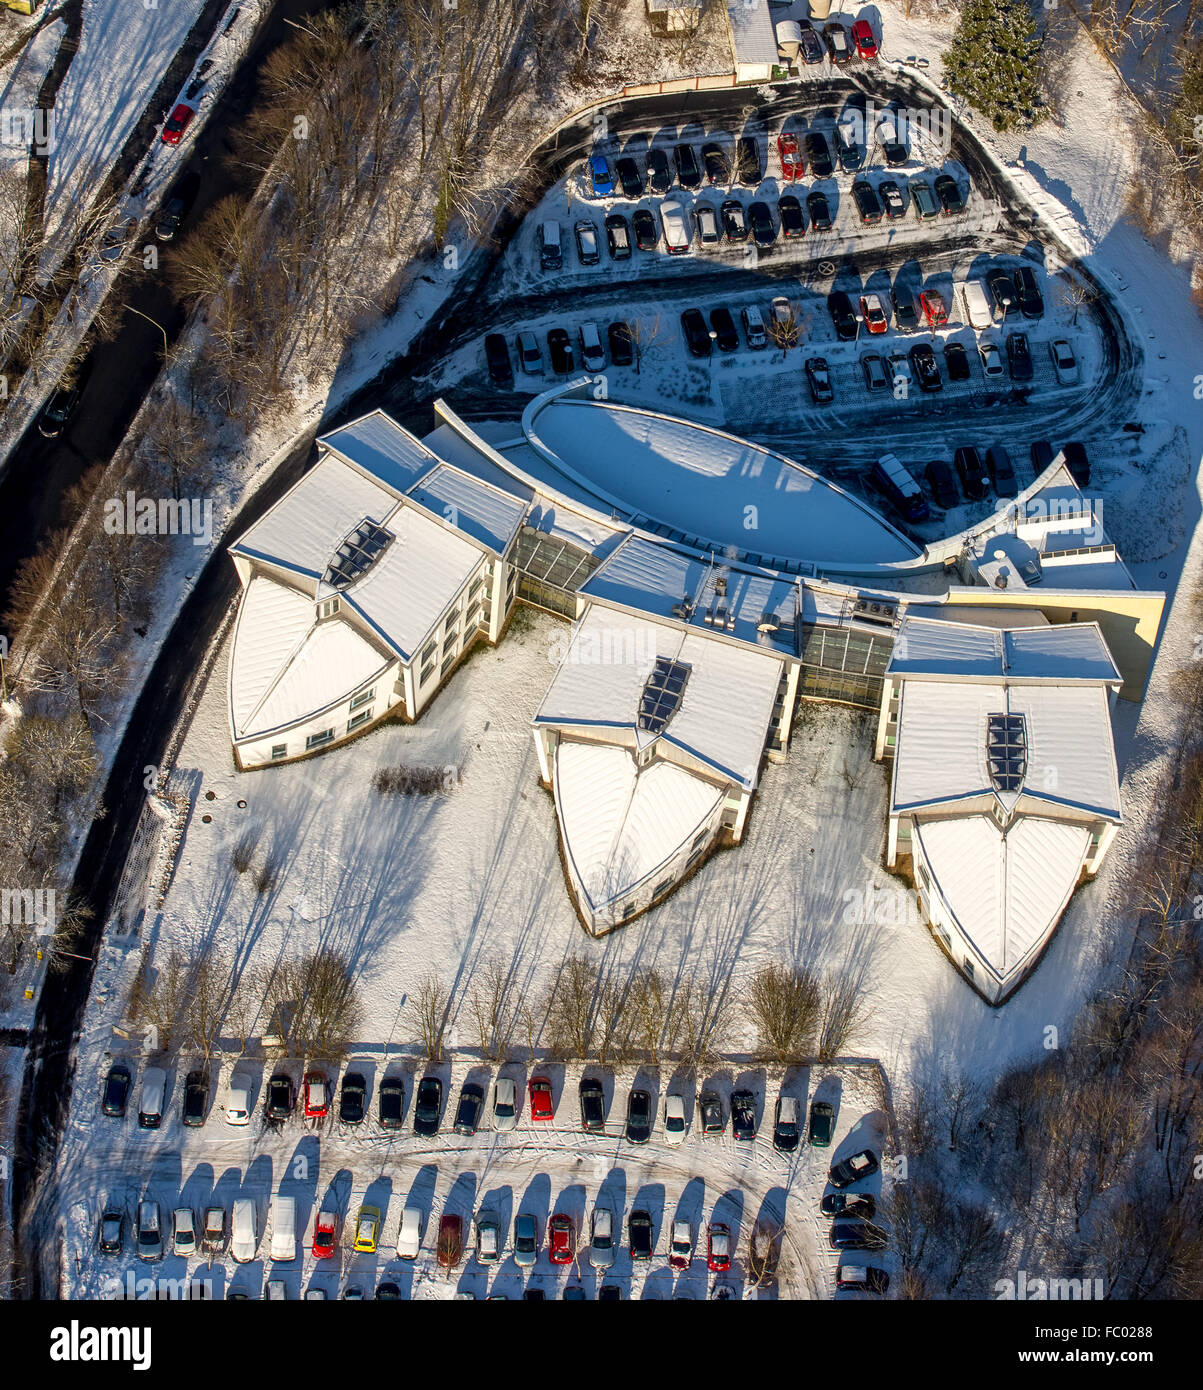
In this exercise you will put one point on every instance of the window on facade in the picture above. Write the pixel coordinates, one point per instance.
(429, 650)
(629, 910)
(328, 607)
(447, 665)
(662, 887)
(279, 750)
(426, 674)
(316, 740)
(472, 616)
(700, 838)
(364, 697)
(474, 587)
(450, 642)
(357, 720)
(968, 967)
(452, 619)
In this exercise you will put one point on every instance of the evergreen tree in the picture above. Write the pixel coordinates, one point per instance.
(995, 62)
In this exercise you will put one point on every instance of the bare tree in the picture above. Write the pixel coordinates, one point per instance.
(331, 1010)
(431, 1002)
(784, 1006)
(571, 1015)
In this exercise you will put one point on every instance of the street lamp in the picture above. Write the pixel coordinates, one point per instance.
(156, 324)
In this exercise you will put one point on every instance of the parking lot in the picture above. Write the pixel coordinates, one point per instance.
(540, 1168)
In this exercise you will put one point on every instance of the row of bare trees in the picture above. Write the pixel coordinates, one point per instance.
(308, 1005)
(584, 1012)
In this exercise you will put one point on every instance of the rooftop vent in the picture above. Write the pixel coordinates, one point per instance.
(874, 610)
(684, 609)
(769, 622)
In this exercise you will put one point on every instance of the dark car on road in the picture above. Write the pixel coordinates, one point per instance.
(861, 1278)
(818, 155)
(956, 359)
(748, 169)
(196, 1098)
(688, 173)
(735, 220)
(763, 231)
(352, 1098)
(497, 355)
(116, 1091)
(427, 1104)
(710, 1113)
(892, 148)
(1019, 357)
(618, 237)
(587, 250)
(903, 300)
(851, 1169)
(822, 1124)
(819, 211)
(659, 176)
(1002, 471)
(838, 47)
(811, 46)
(926, 368)
(177, 206)
(852, 1204)
(785, 1124)
(467, 1112)
(630, 177)
(818, 378)
(697, 336)
(1002, 290)
(868, 204)
(647, 233)
(559, 350)
(856, 1235)
(718, 168)
(639, 1117)
(726, 334)
(891, 199)
(924, 199)
(972, 473)
(793, 222)
(639, 1234)
(943, 483)
(593, 1106)
(952, 199)
(622, 343)
(280, 1097)
(111, 1236)
(843, 316)
(743, 1115)
(392, 1102)
(59, 408)
(1078, 463)
(1027, 291)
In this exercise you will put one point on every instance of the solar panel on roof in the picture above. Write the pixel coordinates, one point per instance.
(1006, 750)
(357, 554)
(662, 693)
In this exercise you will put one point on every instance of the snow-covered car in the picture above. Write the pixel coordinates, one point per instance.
(992, 363)
(409, 1233)
(317, 1096)
(586, 243)
(710, 1113)
(118, 238)
(851, 1169)
(111, 1236)
(676, 230)
(718, 1247)
(505, 1104)
(783, 323)
(367, 1230)
(818, 378)
(488, 1238)
(183, 1231)
(325, 1229)
(213, 1239)
(900, 372)
(873, 312)
(244, 1240)
(793, 166)
(675, 1125)
(601, 1246)
(680, 1248)
(1065, 364)
(861, 1279)
(785, 1124)
(149, 1233)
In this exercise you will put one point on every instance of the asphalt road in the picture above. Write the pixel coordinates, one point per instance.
(47, 1082)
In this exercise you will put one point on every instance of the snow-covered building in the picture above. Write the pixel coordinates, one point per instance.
(753, 39)
(651, 737)
(362, 587)
(1004, 792)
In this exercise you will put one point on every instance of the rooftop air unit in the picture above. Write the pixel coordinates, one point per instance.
(684, 609)
(873, 610)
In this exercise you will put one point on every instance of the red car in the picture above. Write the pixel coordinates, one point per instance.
(933, 308)
(873, 313)
(718, 1247)
(540, 1098)
(560, 1243)
(177, 123)
(793, 166)
(323, 1235)
(317, 1096)
(862, 37)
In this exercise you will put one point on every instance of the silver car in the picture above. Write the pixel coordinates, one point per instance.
(505, 1104)
(526, 1240)
(488, 1238)
(150, 1232)
(601, 1249)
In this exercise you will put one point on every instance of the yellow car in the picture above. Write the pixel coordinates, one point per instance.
(367, 1229)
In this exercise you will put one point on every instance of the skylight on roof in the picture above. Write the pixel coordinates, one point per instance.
(662, 693)
(357, 554)
(1006, 750)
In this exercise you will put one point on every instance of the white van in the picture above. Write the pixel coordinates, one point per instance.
(593, 357)
(977, 304)
(676, 233)
(754, 329)
(154, 1087)
(243, 1240)
(409, 1237)
(284, 1228)
(550, 255)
